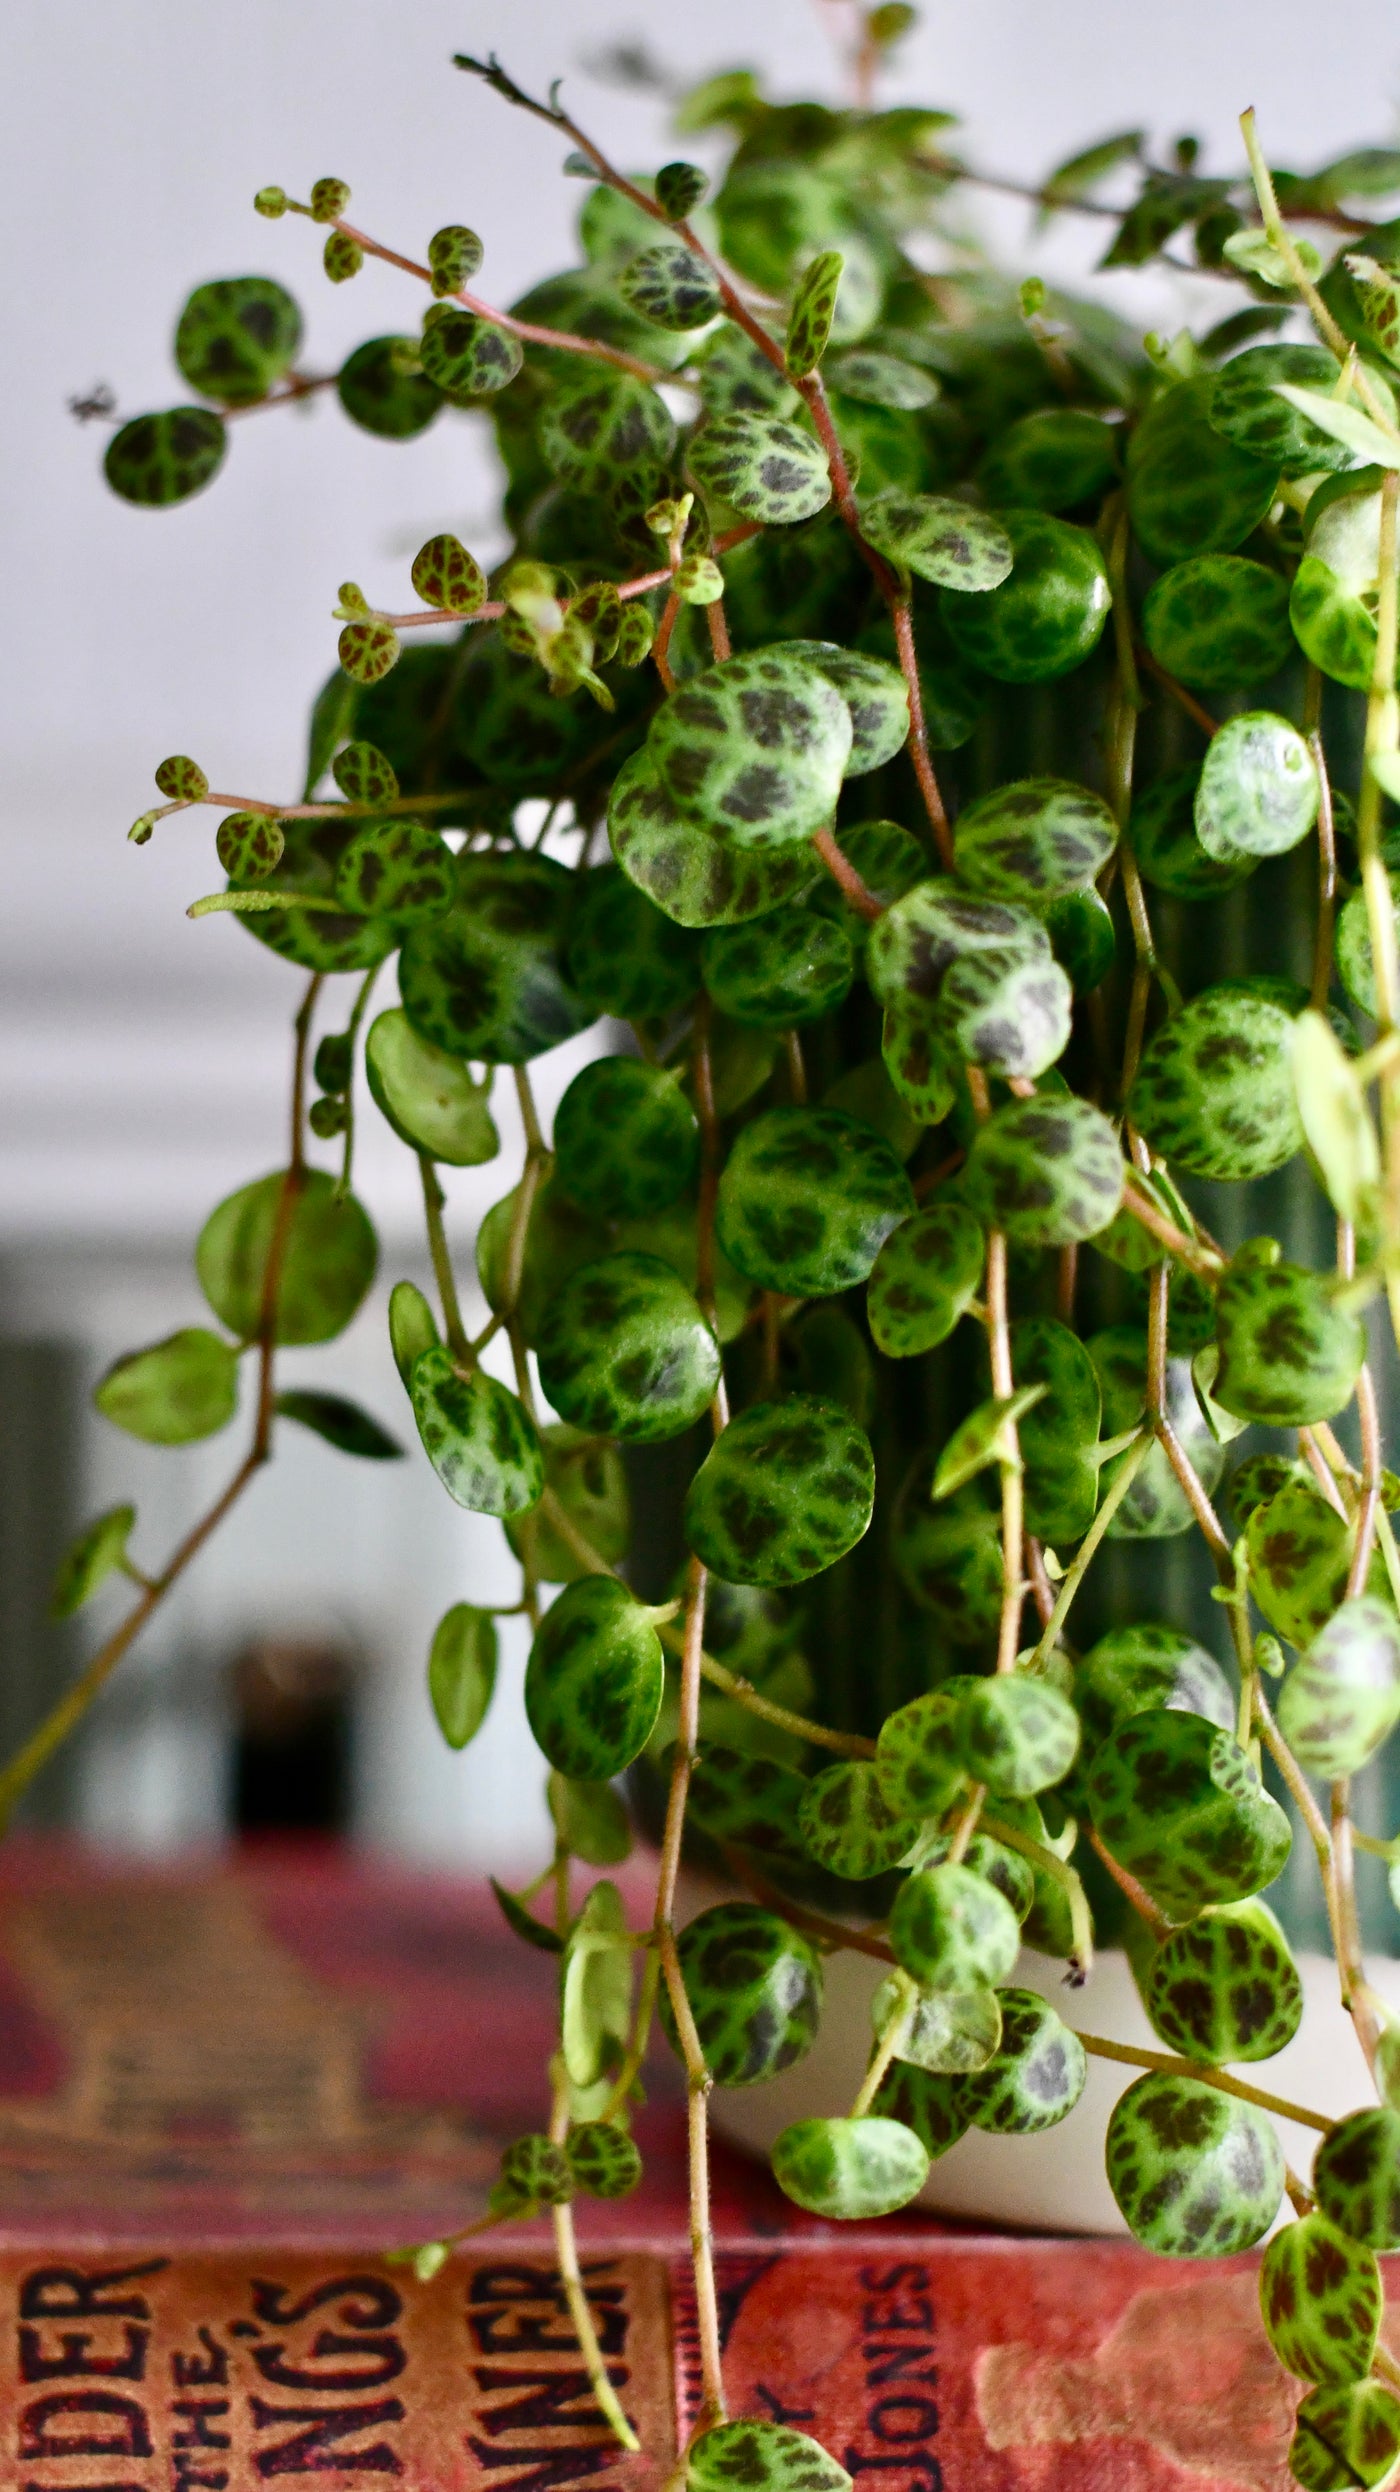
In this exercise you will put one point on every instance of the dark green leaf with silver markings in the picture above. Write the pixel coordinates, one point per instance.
(1034, 840)
(480, 1440)
(1047, 616)
(755, 1991)
(1225, 1987)
(924, 1278)
(847, 1825)
(1257, 795)
(1035, 2076)
(1017, 1734)
(852, 2169)
(754, 749)
(1288, 1354)
(1218, 621)
(1214, 1091)
(953, 1930)
(625, 1138)
(951, 543)
(1196, 2173)
(807, 1198)
(625, 1351)
(595, 1678)
(785, 1491)
(683, 868)
(760, 466)
(780, 970)
(1180, 1804)
(1048, 1171)
(669, 284)
(486, 980)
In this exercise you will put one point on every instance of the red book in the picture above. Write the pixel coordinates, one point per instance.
(224, 2092)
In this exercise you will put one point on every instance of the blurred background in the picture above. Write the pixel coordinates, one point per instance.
(143, 1060)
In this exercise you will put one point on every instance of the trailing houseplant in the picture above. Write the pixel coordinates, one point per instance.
(934, 728)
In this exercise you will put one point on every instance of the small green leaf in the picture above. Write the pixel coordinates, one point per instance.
(850, 2169)
(953, 1930)
(603, 2159)
(680, 187)
(874, 379)
(813, 310)
(412, 1326)
(760, 2457)
(480, 1440)
(342, 258)
(624, 1349)
(1255, 255)
(365, 775)
(1337, 417)
(596, 1996)
(96, 1553)
(589, 1820)
(1017, 1734)
(1047, 1170)
(1288, 1354)
(444, 574)
(429, 1098)
(951, 543)
(1336, 1120)
(1036, 2074)
(755, 1990)
(1179, 1802)
(783, 1493)
(761, 466)
(330, 197)
(1344, 2437)
(181, 778)
(1225, 1987)
(1196, 2173)
(1258, 792)
(985, 1436)
(328, 1258)
(342, 1424)
(944, 2032)
(670, 285)
(523, 1923)
(462, 1671)
(847, 1825)
(179, 1390)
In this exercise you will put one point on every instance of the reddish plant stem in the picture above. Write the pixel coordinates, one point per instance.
(529, 331)
(1184, 700)
(844, 874)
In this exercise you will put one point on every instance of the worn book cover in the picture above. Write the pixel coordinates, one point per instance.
(224, 2092)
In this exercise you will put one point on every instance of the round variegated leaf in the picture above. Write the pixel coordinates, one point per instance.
(917, 1758)
(1333, 624)
(875, 694)
(1146, 1667)
(948, 1556)
(597, 425)
(876, 379)
(1214, 1090)
(235, 337)
(480, 1440)
(754, 749)
(1196, 2173)
(1179, 1803)
(1035, 2076)
(1051, 460)
(1034, 840)
(755, 1991)
(780, 970)
(1341, 1700)
(783, 1493)
(1288, 1354)
(328, 1256)
(761, 466)
(850, 2169)
(760, 2457)
(1007, 1013)
(159, 459)
(384, 389)
(1322, 2298)
(1017, 1734)
(953, 1930)
(1048, 1171)
(429, 1098)
(1356, 2175)
(1258, 791)
(951, 543)
(945, 2032)
(467, 357)
(1225, 1987)
(807, 1198)
(924, 1278)
(1343, 2437)
(398, 870)
(1299, 1559)
(847, 1825)
(1219, 621)
(486, 981)
(1190, 491)
(626, 1141)
(625, 1351)
(670, 284)
(1047, 616)
(679, 864)
(913, 946)
(175, 1392)
(594, 1682)
(1245, 406)
(919, 1059)
(748, 1803)
(624, 955)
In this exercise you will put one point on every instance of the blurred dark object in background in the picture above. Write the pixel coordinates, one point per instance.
(293, 1703)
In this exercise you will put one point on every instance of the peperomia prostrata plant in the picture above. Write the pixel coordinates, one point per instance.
(949, 742)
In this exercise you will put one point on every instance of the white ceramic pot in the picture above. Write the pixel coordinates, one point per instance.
(1054, 2182)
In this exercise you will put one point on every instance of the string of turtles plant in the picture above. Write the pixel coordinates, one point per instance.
(812, 553)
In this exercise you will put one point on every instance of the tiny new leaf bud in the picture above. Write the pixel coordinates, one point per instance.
(182, 779)
(1268, 1654)
(445, 574)
(142, 828)
(1031, 297)
(341, 258)
(428, 2260)
(635, 634)
(698, 581)
(669, 518)
(326, 1117)
(351, 600)
(329, 199)
(368, 650)
(679, 188)
(454, 255)
(272, 200)
(516, 636)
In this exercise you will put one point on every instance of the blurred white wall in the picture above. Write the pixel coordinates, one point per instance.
(143, 1057)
